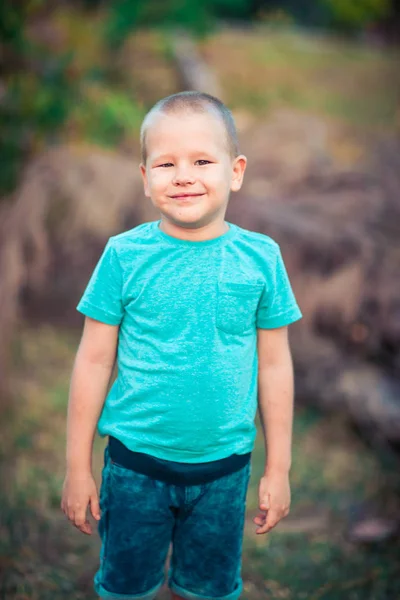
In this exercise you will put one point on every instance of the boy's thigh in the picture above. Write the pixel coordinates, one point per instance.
(207, 544)
(136, 530)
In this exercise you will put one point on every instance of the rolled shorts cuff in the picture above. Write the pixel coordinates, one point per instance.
(190, 596)
(150, 595)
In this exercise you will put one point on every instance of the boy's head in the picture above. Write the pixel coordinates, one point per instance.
(194, 103)
(190, 158)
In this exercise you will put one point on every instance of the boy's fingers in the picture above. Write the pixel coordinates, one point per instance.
(270, 522)
(86, 528)
(94, 507)
(81, 523)
(260, 519)
(80, 518)
(263, 529)
(70, 514)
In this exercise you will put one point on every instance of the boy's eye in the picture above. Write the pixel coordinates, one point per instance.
(200, 162)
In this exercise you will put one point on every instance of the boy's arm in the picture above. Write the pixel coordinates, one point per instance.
(275, 397)
(275, 403)
(91, 375)
(90, 379)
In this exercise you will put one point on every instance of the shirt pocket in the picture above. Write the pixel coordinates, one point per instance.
(237, 306)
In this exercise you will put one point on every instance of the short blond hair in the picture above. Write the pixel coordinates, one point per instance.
(196, 102)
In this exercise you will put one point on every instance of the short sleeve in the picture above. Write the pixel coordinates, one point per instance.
(102, 298)
(278, 306)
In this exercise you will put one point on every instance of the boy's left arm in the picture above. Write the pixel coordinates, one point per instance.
(275, 403)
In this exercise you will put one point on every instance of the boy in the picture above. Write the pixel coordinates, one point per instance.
(195, 311)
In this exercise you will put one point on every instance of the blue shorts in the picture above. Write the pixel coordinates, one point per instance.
(142, 516)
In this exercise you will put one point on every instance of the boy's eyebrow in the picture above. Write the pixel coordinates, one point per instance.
(160, 157)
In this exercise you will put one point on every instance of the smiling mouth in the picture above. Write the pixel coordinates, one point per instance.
(184, 196)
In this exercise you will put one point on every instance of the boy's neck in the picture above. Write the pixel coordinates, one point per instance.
(195, 234)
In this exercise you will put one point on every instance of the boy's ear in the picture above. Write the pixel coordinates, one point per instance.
(145, 182)
(238, 169)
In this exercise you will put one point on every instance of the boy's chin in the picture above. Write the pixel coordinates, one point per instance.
(186, 217)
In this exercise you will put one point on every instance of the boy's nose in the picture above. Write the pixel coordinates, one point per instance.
(183, 177)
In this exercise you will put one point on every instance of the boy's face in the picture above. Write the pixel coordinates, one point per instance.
(189, 171)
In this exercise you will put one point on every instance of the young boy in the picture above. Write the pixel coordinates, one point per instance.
(195, 311)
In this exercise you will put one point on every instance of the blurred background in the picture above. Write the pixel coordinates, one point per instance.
(314, 87)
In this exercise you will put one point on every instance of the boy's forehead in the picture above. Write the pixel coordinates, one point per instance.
(188, 129)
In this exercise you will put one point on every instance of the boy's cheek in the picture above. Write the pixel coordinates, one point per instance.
(158, 181)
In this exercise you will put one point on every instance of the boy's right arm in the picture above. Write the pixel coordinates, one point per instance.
(93, 367)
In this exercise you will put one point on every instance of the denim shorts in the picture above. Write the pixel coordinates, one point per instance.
(142, 516)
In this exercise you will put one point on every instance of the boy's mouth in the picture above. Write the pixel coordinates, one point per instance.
(178, 196)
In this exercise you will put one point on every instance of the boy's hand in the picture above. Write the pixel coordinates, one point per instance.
(79, 490)
(274, 500)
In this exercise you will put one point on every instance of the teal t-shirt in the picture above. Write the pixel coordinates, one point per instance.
(188, 314)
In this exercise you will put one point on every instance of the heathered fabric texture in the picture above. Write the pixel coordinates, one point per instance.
(186, 388)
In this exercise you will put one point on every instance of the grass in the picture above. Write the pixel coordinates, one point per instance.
(267, 69)
(43, 557)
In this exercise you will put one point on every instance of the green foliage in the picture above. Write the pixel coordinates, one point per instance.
(37, 90)
(12, 16)
(197, 17)
(357, 13)
(343, 15)
(34, 105)
(126, 15)
(45, 90)
(104, 116)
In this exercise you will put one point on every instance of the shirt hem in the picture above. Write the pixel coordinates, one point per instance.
(280, 320)
(95, 313)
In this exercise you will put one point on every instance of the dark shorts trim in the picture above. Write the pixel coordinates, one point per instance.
(175, 472)
(190, 596)
(150, 595)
